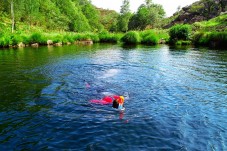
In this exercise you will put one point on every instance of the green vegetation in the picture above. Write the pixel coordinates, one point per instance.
(179, 33)
(216, 24)
(140, 21)
(212, 39)
(131, 37)
(65, 22)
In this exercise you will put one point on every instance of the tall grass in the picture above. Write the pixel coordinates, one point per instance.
(149, 37)
(107, 37)
(131, 37)
(179, 32)
(212, 39)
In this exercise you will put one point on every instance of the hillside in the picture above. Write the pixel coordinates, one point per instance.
(199, 11)
(58, 15)
(218, 23)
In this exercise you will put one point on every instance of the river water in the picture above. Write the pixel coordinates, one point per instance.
(176, 99)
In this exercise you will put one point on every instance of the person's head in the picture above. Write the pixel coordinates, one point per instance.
(121, 99)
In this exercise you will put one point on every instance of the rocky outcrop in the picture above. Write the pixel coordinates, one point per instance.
(199, 11)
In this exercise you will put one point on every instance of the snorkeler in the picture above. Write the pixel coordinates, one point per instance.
(116, 101)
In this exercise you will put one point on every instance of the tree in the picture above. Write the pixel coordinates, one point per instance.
(124, 17)
(32, 11)
(12, 15)
(178, 8)
(148, 14)
(92, 15)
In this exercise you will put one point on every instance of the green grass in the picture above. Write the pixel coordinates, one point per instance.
(131, 37)
(216, 24)
(212, 39)
(149, 37)
(107, 37)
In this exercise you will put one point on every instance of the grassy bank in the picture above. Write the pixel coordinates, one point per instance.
(20, 39)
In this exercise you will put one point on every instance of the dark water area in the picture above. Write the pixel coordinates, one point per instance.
(176, 99)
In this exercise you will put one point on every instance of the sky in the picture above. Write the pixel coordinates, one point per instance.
(170, 6)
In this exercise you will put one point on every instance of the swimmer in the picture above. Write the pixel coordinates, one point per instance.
(118, 102)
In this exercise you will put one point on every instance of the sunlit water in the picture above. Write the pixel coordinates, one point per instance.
(176, 99)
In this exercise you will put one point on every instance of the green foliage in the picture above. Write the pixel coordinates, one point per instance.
(216, 24)
(148, 14)
(213, 39)
(92, 14)
(67, 15)
(109, 37)
(149, 37)
(4, 41)
(123, 19)
(108, 19)
(131, 37)
(183, 42)
(37, 38)
(179, 32)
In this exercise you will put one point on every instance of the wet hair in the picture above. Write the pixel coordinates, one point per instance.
(115, 104)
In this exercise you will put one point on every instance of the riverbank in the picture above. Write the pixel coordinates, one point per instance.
(35, 39)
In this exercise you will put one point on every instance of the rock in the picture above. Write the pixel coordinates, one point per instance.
(49, 42)
(84, 42)
(21, 44)
(58, 44)
(162, 41)
(35, 45)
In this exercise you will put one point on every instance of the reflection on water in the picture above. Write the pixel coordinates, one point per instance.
(175, 98)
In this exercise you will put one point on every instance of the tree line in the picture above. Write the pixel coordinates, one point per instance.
(80, 15)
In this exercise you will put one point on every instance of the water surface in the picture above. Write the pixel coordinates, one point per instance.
(177, 99)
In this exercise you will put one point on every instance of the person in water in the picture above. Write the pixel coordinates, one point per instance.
(118, 102)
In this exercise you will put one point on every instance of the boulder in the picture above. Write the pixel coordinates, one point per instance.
(58, 44)
(21, 45)
(35, 45)
(50, 42)
(84, 42)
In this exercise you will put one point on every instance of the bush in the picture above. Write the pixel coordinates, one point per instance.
(94, 37)
(149, 37)
(213, 39)
(131, 37)
(109, 37)
(4, 41)
(37, 38)
(180, 32)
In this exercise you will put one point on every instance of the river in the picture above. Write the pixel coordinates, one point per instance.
(176, 99)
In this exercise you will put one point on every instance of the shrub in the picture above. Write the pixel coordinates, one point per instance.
(109, 37)
(5, 41)
(214, 39)
(94, 37)
(67, 38)
(37, 38)
(149, 37)
(179, 32)
(131, 37)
